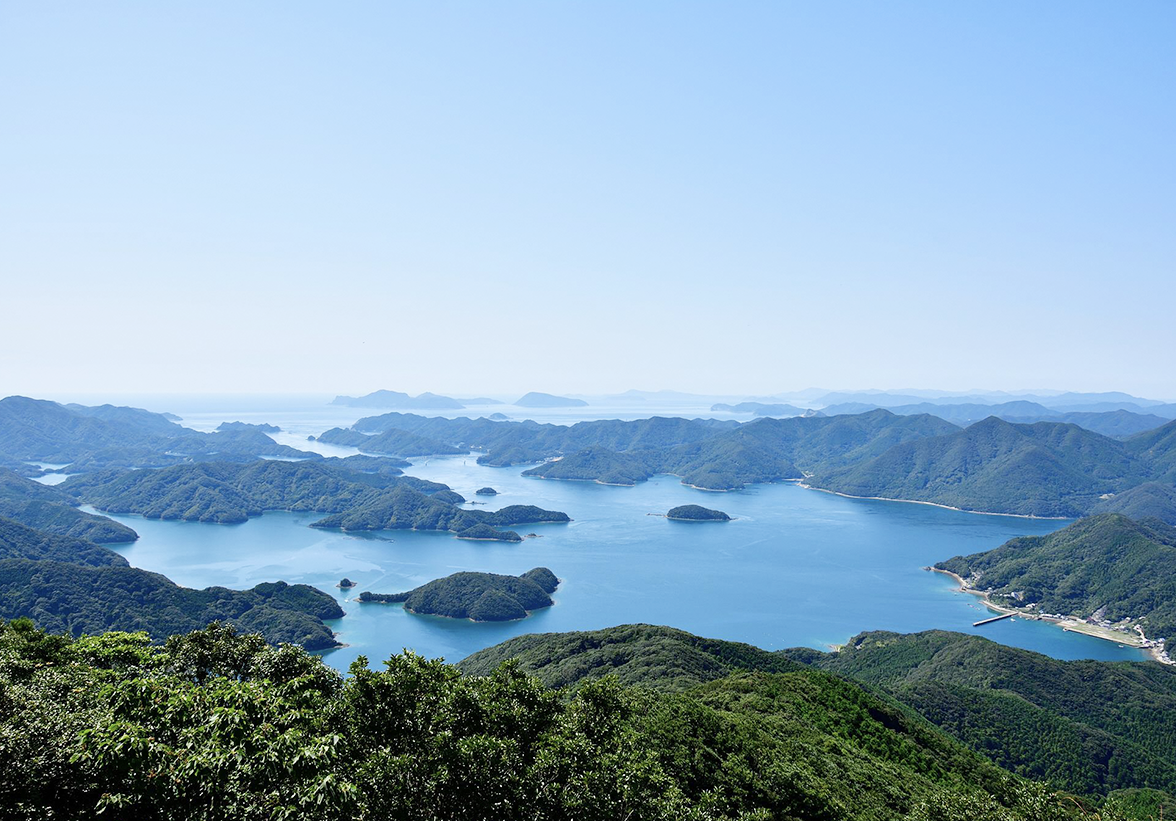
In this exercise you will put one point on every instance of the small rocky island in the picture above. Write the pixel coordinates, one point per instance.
(345, 584)
(486, 491)
(477, 596)
(697, 513)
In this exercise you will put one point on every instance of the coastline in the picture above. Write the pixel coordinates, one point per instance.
(1071, 624)
(800, 483)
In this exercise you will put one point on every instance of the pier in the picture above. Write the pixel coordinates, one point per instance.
(994, 618)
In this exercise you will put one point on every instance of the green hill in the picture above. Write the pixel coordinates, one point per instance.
(660, 658)
(477, 596)
(65, 520)
(73, 598)
(1084, 726)
(1045, 469)
(1158, 449)
(216, 725)
(20, 542)
(1107, 566)
(596, 464)
(1151, 500)
(49, 509)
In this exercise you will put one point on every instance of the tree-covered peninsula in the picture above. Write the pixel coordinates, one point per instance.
(697, 513)
(230, 493)
(49, 509)
(74, 586)
(477, 596)
(1106, 567)
(95, 438)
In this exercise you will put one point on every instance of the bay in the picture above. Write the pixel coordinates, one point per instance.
(796, 567)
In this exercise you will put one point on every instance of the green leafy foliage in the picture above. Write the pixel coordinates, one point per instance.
(215, 725)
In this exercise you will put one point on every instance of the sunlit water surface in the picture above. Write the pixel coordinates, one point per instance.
(795, 567)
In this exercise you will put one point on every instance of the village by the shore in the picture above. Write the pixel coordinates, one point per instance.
(1124, 632)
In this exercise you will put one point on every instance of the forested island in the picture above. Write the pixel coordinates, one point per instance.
(396, 399)
(477, 596)
(697, 513)
(536, 399)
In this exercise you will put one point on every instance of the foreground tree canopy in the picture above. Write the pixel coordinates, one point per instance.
(216, 725)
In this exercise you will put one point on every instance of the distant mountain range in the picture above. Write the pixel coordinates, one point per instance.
(395, 400)
(1109, 423)
(1044, 469)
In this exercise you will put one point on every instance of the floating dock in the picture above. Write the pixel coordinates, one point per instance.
(994, 618)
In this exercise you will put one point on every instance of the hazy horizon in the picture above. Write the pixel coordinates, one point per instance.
(582, 198)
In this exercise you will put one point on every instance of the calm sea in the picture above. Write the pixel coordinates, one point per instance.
(795, 568)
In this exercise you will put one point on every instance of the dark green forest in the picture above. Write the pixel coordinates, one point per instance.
(216, 725)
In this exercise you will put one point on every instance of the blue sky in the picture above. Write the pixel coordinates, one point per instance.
(587, 197)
